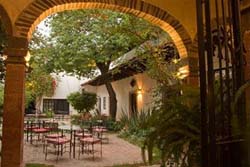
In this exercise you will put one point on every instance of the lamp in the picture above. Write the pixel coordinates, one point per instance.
(27, 57)
(183, 72)
(4, 57)
(139, 91)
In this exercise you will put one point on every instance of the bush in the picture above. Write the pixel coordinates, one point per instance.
(82, 102)
(49, 113)
(112, 125)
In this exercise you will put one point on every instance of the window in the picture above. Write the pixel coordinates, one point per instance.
(104, 103)
(99, 105)
(59, 106)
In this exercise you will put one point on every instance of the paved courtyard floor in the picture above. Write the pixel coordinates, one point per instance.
(117, 151)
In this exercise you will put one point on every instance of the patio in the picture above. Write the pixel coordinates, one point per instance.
(117, 151)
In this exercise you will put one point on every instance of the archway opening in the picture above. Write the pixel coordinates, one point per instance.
(136, 94)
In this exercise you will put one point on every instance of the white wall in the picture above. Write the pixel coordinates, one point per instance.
(123, 88)
(65, 85)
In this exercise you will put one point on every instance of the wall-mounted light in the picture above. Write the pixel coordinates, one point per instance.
(4, 57)
(183, 72)
(139, 91)
(175, 61)
(27, 57)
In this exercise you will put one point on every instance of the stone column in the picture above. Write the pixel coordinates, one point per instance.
(13, 113)
(193, 62)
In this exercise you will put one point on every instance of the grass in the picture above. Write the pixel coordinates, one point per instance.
(129, 165)
(38, 165)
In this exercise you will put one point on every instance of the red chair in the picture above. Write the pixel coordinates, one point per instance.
(87, 145)
(100, 131)
(38, 134)
(83, 134)
(50, 136)
(59, 145)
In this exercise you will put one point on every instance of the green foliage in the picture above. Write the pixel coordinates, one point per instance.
(136, 130)
(85, 40)
(3, 39)
(161, 60)
(82, 39)
(173, 126)
(112, 125)
(135, 125)
(82, 102)
(49, 114)
(75, 119)
(38, 84)
(1, 96)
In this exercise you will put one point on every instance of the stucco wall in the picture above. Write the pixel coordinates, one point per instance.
(122, 89)
(65, 85)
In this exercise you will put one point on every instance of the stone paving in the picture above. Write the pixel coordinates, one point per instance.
(117, 151)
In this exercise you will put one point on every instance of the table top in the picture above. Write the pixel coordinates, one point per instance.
(69, 127)
(40, 130)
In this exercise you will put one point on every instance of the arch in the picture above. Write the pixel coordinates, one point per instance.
(40, 9)
(6, 20)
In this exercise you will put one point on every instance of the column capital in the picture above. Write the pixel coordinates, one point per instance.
(16, 50)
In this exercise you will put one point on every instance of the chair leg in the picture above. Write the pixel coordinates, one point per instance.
(79, 150)
(57, 152)
(93, 151)
(101, 148)
(61, 150)
(70, 150)
(46, 151)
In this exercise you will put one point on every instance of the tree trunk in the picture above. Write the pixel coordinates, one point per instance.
(112, 100)
(104, 68)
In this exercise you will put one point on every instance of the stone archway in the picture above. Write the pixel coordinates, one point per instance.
(6, 20)
(40, 9)
(23, 27)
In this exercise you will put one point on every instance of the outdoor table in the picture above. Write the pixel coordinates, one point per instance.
(72, 129)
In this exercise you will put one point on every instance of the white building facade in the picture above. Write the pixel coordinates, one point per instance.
(133, 94)
(65, 85)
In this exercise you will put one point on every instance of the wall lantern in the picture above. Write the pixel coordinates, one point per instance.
(4, 57)
(183, 72)
(27, 57)
(139, 91)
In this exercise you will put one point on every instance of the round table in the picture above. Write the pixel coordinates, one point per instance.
(69, 127)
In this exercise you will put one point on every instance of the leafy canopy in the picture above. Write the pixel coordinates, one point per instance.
(38, 84)
(81, 40)
(3, 39)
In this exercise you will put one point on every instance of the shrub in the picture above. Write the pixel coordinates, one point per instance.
(49, 113)
(82, 102)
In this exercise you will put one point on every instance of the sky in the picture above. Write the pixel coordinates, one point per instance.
(45, 30)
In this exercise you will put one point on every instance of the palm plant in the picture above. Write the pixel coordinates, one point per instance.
(175, 127)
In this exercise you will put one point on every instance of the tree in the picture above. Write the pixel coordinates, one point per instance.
(39, 81)
(3, 38)
(85, 40)
(83, 102)
(38, 84)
